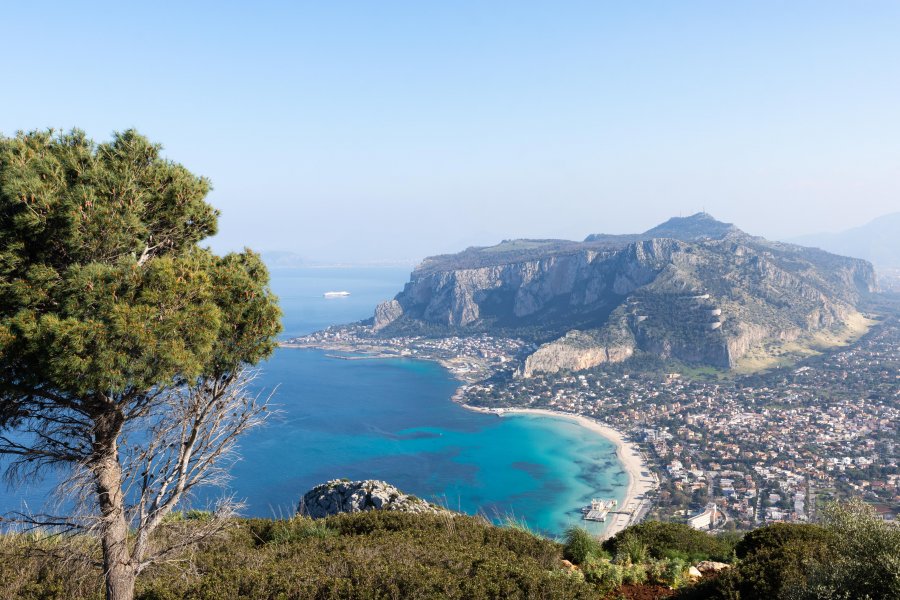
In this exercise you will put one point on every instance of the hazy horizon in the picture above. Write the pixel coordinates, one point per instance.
(292, 258)
(362, 133)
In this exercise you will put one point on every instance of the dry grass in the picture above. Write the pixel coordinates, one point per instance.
(40, 566)
(785, 354)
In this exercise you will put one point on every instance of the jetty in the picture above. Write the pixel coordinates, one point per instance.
(598, 510)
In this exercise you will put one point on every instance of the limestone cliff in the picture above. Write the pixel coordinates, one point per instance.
(580, 284)
(386, 313)
(693, 289)
(564, 355)
(579, 350)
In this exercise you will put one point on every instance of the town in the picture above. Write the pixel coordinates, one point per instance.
(729, 451)
(470, 359)
(764, 448)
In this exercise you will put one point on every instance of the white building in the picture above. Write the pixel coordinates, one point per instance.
(706, 519)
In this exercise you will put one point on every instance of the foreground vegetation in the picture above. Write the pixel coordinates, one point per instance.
(398, 555)
(363, 555)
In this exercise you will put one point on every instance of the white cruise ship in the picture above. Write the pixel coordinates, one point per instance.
(335, 294)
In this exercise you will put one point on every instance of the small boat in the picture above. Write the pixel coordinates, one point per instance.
(335, 294)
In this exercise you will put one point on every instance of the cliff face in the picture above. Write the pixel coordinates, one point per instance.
(560, 287)
(707, 298)
(576, 351)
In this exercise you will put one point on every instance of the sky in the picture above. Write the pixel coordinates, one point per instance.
(361, 132)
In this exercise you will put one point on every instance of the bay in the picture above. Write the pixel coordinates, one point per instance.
(393, 419)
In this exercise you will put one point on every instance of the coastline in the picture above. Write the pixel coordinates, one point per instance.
(640, 479)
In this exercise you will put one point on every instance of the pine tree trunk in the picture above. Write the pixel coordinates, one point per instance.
(119, 582)
(118, 568)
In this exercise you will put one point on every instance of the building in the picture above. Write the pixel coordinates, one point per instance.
(705, 519)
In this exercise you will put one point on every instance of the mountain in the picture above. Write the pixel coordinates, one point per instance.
(701, 226)
(878, 241)
(692, 288)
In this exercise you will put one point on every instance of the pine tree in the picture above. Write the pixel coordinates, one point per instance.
(124, 344)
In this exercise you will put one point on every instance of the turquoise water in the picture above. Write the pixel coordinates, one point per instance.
(393, 420)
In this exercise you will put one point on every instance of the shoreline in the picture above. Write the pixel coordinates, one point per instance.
(635, 502)
(640, 479)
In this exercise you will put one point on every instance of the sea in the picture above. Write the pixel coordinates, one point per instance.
(393, 419)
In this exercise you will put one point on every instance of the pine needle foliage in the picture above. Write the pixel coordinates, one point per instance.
(123, 342)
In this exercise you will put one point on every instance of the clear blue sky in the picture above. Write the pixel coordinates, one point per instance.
(384, 130)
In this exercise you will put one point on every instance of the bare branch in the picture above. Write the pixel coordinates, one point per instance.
(188, 447)
(173, 441)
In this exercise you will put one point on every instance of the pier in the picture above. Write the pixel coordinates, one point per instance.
(598, 510)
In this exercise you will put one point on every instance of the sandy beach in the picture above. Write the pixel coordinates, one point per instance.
(640, 480)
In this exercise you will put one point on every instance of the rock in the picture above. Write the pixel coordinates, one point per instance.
(338, 496)
(574, 352)
(710, 566)
(386, 313)
(568, 565)
(694, 573)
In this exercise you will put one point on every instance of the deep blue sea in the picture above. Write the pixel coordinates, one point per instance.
(393, 419)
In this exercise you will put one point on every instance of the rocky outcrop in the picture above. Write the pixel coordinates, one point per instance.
(343, 496)
(749, 335)
(575, 351)
(386, 313)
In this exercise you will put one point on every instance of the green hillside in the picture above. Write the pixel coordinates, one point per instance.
(381, 554)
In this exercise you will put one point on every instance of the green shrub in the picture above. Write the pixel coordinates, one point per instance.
(730, 538)
(299, 528)
(671, 540)
(631, 550)
(519, 524)
(777, 535)
(657, 572)
(866, 556)
(188, 515)
(852, 554)
(676, 572)
(667, 571)
(399, 555)
(606, 576)
(634, 574)
(363, 555)
(774, 572)
(580, 545)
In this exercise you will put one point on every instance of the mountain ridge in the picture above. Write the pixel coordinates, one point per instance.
(698, 226)
(692, 288)
(878, 241)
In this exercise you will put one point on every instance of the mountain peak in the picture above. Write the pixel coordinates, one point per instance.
(698, 226)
